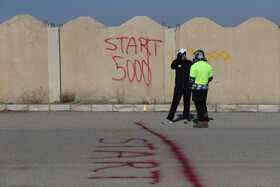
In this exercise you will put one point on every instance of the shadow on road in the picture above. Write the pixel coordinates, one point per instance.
(192, 117)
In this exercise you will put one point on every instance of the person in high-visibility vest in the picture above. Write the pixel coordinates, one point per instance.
(200, 75)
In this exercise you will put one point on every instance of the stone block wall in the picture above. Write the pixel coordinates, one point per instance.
(130, 63)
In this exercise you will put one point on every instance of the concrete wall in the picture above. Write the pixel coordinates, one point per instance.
(245, 59)
(113, 64)
(23, 61)
(131, 63)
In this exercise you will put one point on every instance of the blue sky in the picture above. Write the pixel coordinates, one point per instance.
(227, 13)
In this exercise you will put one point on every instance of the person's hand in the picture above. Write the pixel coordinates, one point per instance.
(179, 56)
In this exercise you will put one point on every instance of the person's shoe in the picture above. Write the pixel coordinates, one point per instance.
(185, 121)
(167, 121)
(201, 124)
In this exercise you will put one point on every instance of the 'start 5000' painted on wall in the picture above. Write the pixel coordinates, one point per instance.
(133, 69)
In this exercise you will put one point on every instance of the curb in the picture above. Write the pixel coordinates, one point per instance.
(130, 108)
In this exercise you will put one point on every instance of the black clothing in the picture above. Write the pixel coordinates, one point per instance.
(182, 68)
(178, 92)
(199, 95)
(182, 87)
(201, 108)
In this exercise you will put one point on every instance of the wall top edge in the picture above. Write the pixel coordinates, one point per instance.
(205, 20)
(257, 20)
(201, 20)
(85, 19)
(136, 19)
(22, 18)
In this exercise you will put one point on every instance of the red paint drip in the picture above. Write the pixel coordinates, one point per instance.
(186, 167)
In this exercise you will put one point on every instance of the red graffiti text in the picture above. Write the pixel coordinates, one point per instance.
(133, 69)
(115, 156)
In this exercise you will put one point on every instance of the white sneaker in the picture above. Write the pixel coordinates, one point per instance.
(167, 121)
(186, 121)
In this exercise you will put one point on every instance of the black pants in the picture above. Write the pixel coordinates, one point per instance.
(201, 108)
(178, 92)
(199, 98)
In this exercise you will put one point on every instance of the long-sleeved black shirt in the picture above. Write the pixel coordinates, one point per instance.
(182, 68)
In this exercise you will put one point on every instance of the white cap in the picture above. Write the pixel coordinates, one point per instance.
(181, 50)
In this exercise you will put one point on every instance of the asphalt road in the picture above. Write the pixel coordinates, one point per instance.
(136, 149)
